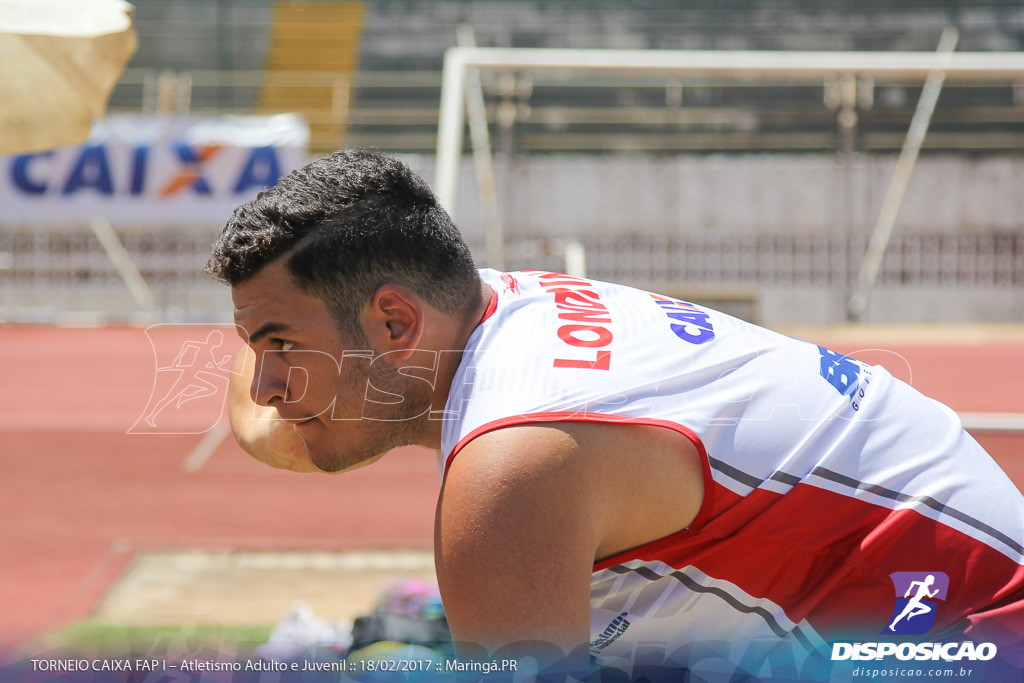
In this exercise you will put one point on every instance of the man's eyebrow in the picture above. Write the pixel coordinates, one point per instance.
(268, 328)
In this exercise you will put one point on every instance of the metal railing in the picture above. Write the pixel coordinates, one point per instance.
(398, 111)
(68, 269)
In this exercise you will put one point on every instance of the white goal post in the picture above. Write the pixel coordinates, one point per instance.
(461, 86)
(718, 64)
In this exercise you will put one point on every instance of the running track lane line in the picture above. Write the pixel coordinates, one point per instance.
(993, 422)
(206, 447)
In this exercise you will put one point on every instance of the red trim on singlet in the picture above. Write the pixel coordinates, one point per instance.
(492, 306)
(707, 504)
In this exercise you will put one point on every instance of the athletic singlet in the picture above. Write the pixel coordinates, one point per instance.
(822, 477)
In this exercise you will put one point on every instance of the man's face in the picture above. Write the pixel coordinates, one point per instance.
(316, 377)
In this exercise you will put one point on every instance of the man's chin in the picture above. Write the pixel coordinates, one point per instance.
(335, 464)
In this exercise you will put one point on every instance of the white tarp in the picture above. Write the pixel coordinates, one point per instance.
(70, 18)
(153, 170)
(59, 62)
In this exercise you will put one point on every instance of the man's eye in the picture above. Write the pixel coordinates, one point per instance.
(286, 345)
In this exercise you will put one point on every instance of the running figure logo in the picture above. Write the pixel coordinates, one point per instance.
(916, 596)
(192, 371)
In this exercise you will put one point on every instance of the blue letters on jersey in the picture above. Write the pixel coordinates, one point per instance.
(840, 371)
(693, 326)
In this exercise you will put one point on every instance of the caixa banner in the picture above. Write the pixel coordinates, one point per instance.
(154, 170)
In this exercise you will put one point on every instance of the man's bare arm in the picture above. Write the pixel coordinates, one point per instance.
(518, 528)
(259, 430)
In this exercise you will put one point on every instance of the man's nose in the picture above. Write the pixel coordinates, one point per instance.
(268, 381)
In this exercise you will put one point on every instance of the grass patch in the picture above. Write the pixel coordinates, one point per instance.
(101, 639)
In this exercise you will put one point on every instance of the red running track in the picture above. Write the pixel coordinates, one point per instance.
(78, 492)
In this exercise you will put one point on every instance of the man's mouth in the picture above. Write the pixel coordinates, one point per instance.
(303, 425)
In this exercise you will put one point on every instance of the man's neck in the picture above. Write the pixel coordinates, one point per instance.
(453, 343)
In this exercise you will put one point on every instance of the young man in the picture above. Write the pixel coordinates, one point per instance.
(625, 472)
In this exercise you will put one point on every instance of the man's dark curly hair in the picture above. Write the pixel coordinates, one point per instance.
(347, 224)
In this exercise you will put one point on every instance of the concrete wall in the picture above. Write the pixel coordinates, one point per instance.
(779, 306)
(573, 196)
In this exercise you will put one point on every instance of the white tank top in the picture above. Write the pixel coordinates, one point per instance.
(823, 476)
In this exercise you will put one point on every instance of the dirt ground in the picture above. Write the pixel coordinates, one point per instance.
(255, 588)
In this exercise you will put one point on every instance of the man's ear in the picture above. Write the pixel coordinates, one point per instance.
(393, 320)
